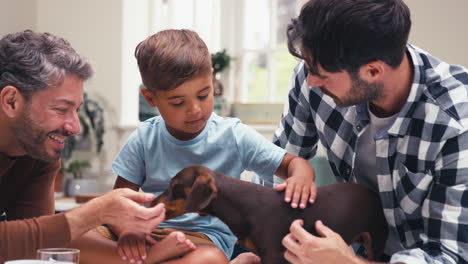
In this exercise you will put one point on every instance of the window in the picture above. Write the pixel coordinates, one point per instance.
(254, 34)
(202, 16)
(265, 63)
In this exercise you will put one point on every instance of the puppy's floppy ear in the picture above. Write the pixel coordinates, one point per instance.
(203, 191)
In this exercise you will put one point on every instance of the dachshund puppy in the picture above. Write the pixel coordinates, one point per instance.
(260, 218)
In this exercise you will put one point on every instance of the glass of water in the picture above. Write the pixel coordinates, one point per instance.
(27, 261)
(59, 255)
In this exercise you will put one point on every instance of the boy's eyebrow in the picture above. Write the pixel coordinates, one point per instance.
(204, 89)
(179, 96)
(174, 97)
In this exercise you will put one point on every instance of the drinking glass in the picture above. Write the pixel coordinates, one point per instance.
(59, 255)
(27, 261)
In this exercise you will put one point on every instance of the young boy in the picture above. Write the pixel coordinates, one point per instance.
(176, 69)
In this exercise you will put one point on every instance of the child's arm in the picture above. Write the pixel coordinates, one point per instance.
(131, 245)
(123, 183)
(299, 181)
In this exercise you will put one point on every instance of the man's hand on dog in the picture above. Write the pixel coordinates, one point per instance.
(305, 248)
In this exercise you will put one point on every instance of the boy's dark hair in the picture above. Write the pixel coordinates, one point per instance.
(169, 58)
(346, 34)
(33, 61)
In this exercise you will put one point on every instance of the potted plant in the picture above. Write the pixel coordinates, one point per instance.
(91, 117)
(78, 184)
(76, 168)
(220, 61)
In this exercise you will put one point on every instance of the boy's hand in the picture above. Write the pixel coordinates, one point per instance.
(299, 190)
(299, 183)
(131, 246)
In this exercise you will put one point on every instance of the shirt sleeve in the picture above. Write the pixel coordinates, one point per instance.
(130, 162)
(444, 209)
(296, 132)
(257, 153)
(21, 238)
(31, 224)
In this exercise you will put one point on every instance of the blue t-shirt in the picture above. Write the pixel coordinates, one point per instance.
(152, 156)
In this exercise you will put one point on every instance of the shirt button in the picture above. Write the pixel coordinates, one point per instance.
(358, 127)
(348, 171)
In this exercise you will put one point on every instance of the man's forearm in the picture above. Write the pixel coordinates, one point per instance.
(82, 219)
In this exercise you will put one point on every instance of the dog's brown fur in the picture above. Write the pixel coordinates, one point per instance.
(260, 218)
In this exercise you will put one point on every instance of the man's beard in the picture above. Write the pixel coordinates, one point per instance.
(31, 138)
(361, 92)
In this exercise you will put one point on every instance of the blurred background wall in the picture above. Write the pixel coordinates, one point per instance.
(107, 31)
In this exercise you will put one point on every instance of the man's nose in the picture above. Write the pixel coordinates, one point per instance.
(314, 81)
(73, 125)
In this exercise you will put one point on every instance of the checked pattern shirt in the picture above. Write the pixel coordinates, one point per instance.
(421, 156)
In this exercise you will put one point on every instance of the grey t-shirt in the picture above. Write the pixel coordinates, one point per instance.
(365, 171)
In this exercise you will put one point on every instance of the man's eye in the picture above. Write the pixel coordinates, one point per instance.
(202, 97)
(61, 110)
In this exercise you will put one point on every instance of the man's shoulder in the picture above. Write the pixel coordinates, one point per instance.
(444, 84)
(434, 72)
(27, 166)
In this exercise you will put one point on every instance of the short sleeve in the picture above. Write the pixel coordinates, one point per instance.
(129, 162)
(257, 153)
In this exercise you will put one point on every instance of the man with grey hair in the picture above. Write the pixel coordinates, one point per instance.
(41, 90)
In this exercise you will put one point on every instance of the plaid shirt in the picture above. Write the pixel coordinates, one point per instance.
(421, 156)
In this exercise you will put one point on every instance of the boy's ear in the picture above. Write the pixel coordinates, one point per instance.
(11, 101)
(148, 96)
